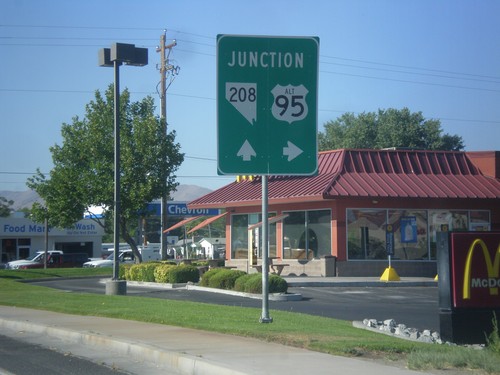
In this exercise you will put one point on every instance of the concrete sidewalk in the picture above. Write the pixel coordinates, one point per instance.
(187, 351)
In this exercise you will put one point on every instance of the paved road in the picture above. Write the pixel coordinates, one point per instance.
(22, 358)
(416, 307)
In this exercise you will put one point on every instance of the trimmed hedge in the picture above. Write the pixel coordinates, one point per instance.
(205, 279)
(252, 283)
(124, 271)
(161, 272)
(183, 274)
(225, 279)
(277, 284)
(220, 278)
(246, 283)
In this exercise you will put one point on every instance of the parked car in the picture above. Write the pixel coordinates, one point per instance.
(68, 260)
(125, 256)
(36, 258)
(148, 253)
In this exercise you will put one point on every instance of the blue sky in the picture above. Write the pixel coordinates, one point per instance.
(437, 57)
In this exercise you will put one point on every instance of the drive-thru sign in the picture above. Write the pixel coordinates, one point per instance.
(267, 105)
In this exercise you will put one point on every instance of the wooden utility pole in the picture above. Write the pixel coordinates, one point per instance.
(165, 69)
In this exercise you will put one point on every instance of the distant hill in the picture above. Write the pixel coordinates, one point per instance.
(187, 193)
(25, 199)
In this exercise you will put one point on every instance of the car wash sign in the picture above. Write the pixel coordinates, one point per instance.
(475, 261)
(267, 105)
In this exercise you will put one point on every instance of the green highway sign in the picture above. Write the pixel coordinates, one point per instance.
(267, 99)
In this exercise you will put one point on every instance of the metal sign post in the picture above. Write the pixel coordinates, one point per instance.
(267, 115)
(265, 318)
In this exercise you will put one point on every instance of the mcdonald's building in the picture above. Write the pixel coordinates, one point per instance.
(343, 213)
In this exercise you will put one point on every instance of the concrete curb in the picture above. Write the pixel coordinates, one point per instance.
(272, 296)
(190, 286)
(140, 352)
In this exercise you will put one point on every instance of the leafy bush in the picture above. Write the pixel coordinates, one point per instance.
(252, 283)
(242, 283)
(133, 272)
(277, 284)
(124, 271)
(205, 279)
(171, 262)
(493, 340)
(225, 279)
(142, 272)
(148, 271)
(183, 274)
(203, 263)
(161, 272)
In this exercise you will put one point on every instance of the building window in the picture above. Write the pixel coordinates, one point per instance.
(410, 234)
(240, 236)
(479, 221)
(366, 234)
(307, 234)
(414, 231)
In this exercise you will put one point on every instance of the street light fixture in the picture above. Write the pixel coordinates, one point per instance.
(118, 54)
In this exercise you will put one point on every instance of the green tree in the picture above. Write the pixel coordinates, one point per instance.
(5, 208)
(83, 173)
(387, 128)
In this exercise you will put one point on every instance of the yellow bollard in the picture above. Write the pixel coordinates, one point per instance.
(390, 274)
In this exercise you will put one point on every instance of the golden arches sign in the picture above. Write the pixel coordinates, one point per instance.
(492, 268)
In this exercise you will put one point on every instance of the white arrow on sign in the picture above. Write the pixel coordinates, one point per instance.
(246, 151)
(291, 151)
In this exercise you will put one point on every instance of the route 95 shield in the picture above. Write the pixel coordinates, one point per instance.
(289, 103)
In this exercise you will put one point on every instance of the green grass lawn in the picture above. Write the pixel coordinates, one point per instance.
(300, 330)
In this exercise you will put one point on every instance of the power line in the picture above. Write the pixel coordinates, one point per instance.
(409, 67)
(490, 79)
(213, 45)
(185, 156)
(467, 76)
(82, 27)
(409, 81)
(213, 99)
(419, 74)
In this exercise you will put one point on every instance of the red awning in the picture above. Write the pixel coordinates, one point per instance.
(207, 221)
(181, 223)
(271, 220)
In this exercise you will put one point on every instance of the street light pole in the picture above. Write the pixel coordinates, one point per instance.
(116, 219)
(118, 54)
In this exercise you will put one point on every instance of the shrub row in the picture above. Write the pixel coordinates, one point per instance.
(221, 278)
(241, 281)
(160, 272)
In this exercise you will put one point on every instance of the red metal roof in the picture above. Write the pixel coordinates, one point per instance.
(368, 173)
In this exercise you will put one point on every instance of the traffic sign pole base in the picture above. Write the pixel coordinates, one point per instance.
(389, 274)
(265, 320)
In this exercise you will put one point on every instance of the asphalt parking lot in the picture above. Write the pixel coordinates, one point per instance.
(416, 307)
